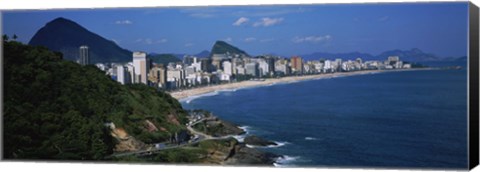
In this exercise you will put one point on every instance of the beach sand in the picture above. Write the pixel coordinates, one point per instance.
(182, 94)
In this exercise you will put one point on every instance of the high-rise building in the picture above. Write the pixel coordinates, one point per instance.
(122, 75)
(158, 76)
(252, 69)
(217, 60)
(206, 64)
(141, 66)
(84, 55)
(227, 67)
(271, 64)
(131, 72)
(297, 64)
(264, 68)
(176, 75)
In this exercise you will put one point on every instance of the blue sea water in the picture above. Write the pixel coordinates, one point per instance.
(408, 119)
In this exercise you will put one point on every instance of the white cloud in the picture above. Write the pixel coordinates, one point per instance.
(311, 39)
(189, 44)
(202, 15)
(228, 39)
(250, 39)
(266, 21)
(240, 21)
(123, 22)
(150, 41)
(162, 40)
(267, 40)
(270, 11)
(384, 18)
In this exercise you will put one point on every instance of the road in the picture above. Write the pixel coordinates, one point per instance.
(202, 137)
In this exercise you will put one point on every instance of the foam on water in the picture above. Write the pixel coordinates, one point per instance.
(241, 137)
(285, 161)
(279, 144)
(191, 98)
(311, 138)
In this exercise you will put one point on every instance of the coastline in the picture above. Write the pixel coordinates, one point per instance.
(187, 93)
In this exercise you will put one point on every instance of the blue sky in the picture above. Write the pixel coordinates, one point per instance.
(438, 28)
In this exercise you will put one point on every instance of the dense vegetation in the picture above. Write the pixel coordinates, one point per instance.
(56, 109)
(198, 153)
(163, 58)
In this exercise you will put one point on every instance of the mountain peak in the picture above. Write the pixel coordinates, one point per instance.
(66, 36)
(222, 47)
(416, 50)
(62, 22)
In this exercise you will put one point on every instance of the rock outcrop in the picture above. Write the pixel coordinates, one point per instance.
(257, 141)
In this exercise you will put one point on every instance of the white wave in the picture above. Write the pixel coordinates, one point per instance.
(285, 161)
(240, 138)
(246, 128)
(191, 98)
(228, 90)
(279, 144)
(311, 138)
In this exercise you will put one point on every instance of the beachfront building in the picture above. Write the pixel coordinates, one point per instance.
(206, 64)
(393, 59)
(271, 64)
(217, 60)
(227, 67)
(328, 67)
(264, 68)
(176, 77)
(282, 68)
(252, 69)
(297, 65)
(197, 66)
(241, 70)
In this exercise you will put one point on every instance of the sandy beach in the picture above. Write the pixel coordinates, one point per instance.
(182, 94)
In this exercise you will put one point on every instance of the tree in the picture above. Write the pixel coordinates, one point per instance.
(5, 37)
(15, 37)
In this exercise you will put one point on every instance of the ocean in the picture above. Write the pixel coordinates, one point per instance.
(408, 119)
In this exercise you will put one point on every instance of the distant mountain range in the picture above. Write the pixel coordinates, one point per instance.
(66, 36)
(413, 55)
(164, 58)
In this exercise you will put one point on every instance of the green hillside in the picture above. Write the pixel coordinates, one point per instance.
(221, 47)
(163, 58)
(56, 109)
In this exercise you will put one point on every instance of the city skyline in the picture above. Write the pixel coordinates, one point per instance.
(282, 30)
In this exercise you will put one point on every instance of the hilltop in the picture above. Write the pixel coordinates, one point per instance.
(66, 36)
(221, 47)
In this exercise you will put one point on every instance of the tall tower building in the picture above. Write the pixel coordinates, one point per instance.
(297, 64)
(84, 55)
(141, 67)
(122, 74)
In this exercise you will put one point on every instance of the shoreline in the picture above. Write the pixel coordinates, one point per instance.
(188, 93)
